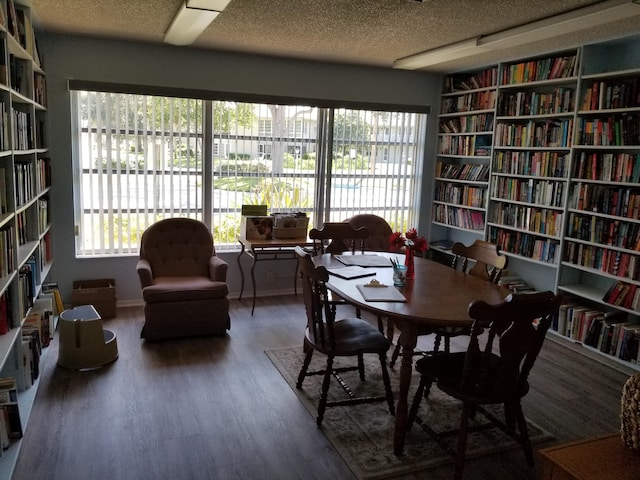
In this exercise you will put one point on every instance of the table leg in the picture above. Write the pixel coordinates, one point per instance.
(241, 271)
(253, 280)
(408, 341)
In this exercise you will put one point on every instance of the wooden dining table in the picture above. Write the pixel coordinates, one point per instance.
(438, 296)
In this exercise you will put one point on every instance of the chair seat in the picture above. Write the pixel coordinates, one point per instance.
(447, 369)
(352, 336)
(173, 289)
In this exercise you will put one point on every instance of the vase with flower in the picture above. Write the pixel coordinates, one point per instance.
(412, 244)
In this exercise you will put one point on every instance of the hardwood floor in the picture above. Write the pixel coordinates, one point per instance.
(216, 408)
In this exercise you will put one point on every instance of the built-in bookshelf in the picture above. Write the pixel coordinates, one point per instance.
(532, 145)
(465, 140)
(25, 221)
(563, 191)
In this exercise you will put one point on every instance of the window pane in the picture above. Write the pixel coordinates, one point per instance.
(140, 160)
(266, 154)
(375, 165)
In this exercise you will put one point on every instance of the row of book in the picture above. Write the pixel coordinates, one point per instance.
(460, 195)
(608, 167)
(458, 217)
(548, 133)
(614, 262)
(482, 122)
(7, 241)
(10, 421)
(623, 294)
(608, 332)
(604, 230)
(469, 102)
(612, 94)
(559, 100)
(617, 202)
(538, 164)
(538, 70)
(618, 130)
(471, 81)
(540, 192)
(5, 143)
(24, 182)
(468, 145)
(22, 131)
(525, 244)
(474, 172)
(532, 219)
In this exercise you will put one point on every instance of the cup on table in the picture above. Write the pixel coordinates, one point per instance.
(399, 275)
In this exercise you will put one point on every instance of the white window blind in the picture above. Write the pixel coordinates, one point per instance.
(141, 158)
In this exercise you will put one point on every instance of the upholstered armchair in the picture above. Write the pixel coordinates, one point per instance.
(183, 281)
(379, 231)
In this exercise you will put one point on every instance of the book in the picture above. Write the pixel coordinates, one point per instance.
(370, 260)
(351, 272)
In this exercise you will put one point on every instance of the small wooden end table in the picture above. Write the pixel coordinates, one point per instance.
(260, 250)
(601, 458)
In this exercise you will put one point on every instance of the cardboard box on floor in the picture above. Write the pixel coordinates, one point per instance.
(100, 293)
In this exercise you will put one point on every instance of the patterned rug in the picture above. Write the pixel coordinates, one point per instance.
(362, 434)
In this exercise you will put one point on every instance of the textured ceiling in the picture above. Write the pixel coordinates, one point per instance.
(363, 32)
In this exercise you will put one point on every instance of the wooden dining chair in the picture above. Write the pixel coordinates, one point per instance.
(505, 341)
(481, 259)
(337, 238)
(347, 337)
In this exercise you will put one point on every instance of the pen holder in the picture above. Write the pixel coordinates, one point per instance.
(399, 275)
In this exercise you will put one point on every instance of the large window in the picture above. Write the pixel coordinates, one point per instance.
(143, 158)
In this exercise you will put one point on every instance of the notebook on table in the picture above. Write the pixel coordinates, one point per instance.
(364, 260)
(350, 272)
(385, 293)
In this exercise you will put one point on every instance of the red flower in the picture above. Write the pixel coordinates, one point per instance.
(410, 240)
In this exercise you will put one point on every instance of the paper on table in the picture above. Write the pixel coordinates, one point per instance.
(350, 272)
(364, 260)
(381, 294)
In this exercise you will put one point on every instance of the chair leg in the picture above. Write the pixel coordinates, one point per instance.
(322, 405)
(436, 343)
(387, 383)
(395, 354)
(390, 329)
(361, 366)
(524, 434)
(417, 399)
(462, 441)
(305, 365)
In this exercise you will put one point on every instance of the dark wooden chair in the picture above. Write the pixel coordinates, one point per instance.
(347, 337)
(337, 238)
(481, 259)
(504, 344)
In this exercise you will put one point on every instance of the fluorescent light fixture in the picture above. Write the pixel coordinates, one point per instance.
(577, 20)
(570, 22)
(191, 20)
(454, 51)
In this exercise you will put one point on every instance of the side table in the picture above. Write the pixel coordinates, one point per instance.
(260, 250)
(601, 458)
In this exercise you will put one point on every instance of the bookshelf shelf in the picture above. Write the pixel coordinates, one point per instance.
(25, 256)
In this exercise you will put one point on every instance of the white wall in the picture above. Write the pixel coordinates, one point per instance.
(88, 59)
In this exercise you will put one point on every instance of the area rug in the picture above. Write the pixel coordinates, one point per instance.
(363, 434)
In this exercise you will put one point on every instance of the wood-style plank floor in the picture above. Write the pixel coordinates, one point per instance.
(216, 408)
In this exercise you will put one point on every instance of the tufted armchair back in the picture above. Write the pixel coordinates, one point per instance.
(177, 247)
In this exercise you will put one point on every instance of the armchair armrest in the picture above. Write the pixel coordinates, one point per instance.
(143, 267)
(218, 269)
